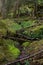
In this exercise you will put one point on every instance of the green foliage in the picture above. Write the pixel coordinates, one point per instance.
(33, 28)
(40, 1)
(34, 47)
(26, 44)
(28, 23)
(36, 32)
(27, 62)
(11, 25)
(25, 9)
(12, 53)
(2, 29)
(9, 50)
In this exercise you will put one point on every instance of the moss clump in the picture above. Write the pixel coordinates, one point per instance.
(26, 44)
(11, 25)
(9, 50)
(12, 53)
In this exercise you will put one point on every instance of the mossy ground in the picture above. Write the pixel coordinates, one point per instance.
(9, 49)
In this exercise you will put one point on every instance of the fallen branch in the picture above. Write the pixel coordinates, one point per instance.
(19, 60)
(21, 37)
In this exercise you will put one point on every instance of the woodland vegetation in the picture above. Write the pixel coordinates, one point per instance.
(21, 32)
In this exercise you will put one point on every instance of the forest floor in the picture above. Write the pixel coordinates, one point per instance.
(28, 34)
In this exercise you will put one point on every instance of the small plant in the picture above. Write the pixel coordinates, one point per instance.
(26, 62)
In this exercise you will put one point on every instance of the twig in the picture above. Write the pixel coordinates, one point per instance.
(21, 37)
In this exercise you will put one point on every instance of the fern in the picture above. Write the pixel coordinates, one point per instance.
(26, 62)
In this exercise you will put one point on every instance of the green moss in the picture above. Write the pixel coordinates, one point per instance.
(34, 47)
(40, 1)
(14, 51)
(9, 50)
(26, 44)
(11, 53)
(11, 25)
(3, 29)
(28, 23)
